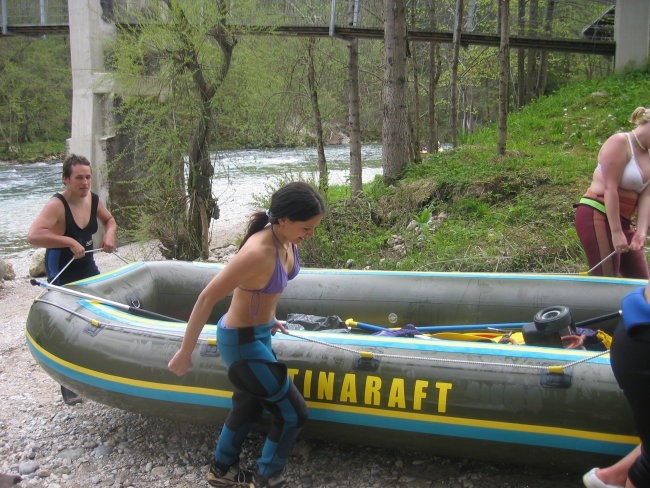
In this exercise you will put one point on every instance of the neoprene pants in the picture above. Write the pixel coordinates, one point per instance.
(260, 383)
(596, 239)
(630, 359)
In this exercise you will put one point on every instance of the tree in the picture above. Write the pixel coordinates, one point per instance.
(543, 64)
(435, 69)
(504, 71)
(35, 91)
(188, 57)
(453, 85)
(352, 90)
(312, 85)
(395, 130)
(414, 120)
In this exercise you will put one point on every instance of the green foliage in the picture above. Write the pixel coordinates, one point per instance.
(422, 219)
(489, 212)
(35, 97)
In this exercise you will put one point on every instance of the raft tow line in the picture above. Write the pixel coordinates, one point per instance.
(553, 369)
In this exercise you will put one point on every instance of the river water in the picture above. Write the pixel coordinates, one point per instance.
(240, 176)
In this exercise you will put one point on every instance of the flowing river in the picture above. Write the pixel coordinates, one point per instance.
(240, 176)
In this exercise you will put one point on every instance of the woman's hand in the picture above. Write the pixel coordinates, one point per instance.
(638, 241)
(278, 327)
(180, 363)
(620, 242)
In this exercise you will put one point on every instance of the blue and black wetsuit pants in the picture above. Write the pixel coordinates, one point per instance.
(260, 383)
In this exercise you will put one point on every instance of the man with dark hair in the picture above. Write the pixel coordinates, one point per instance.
(66, 225)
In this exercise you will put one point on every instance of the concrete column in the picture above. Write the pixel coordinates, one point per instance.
(92, 90)
(631, 27)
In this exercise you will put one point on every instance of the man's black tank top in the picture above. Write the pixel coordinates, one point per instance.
(56, 259)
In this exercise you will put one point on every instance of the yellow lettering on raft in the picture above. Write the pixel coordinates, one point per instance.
(292, 372)
(372, 394)
(349, 388)
(443, 388)
(325, 386)
(396, 397)
(306, 387)
(419, 393)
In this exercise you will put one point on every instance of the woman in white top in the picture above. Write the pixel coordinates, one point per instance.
(619, 190)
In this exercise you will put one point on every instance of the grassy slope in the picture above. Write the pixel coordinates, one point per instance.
(490, 212)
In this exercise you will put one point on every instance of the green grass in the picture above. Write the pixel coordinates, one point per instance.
(488, 212)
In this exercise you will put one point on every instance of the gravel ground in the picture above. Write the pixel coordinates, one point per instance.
(50, 444)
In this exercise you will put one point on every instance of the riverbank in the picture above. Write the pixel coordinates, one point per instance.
(53, 445)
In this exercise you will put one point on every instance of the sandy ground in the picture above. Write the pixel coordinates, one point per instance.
(53, 445)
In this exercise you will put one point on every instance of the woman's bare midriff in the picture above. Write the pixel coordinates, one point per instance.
(239, 314)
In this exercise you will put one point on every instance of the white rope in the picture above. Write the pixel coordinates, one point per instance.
(361, 354)
(446, 360)
(53, 280)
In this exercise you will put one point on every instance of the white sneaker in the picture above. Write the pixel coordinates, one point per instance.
(590, 480)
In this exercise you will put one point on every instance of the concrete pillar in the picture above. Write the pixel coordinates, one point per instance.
(92, 90)
(631, 27)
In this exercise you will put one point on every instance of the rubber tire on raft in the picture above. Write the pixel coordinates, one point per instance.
(553, 319)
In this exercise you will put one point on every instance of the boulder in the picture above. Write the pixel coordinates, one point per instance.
(9, 273)
(37, 264)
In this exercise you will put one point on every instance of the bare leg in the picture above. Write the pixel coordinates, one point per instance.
(616, 474)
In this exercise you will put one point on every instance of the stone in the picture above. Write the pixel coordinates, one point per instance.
(37, 263)
(9, 273)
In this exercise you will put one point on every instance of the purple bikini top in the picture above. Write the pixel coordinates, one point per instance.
(279, 279)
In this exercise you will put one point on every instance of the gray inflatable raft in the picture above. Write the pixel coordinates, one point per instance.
(452, 389)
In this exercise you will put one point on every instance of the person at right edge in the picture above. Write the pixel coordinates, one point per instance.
(631, 343)
(619, 190)
(630, 358)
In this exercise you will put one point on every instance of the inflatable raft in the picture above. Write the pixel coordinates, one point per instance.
(489, 371)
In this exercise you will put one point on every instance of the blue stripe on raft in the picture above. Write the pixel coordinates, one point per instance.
(482, 276)
(438, 274)
(111, 274)
(158, 393)
(335, 413)
(475, 432)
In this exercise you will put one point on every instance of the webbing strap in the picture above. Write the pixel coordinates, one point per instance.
(595, 204)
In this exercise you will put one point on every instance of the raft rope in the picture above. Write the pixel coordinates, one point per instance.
(554, 369)
(96, 323)
(90, 251)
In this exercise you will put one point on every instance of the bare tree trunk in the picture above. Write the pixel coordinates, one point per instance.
(504, 71)
(415, 113)
(453, 85)
(543, 64)
(354, 123)
(434, 75)
(395, 129)
(323, 177)
(521, 55)
(199, 184)
(533, 24)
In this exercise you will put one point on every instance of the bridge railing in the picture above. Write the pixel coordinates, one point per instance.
(22, 13)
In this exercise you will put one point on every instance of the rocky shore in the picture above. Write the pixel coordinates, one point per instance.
(45, 443)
